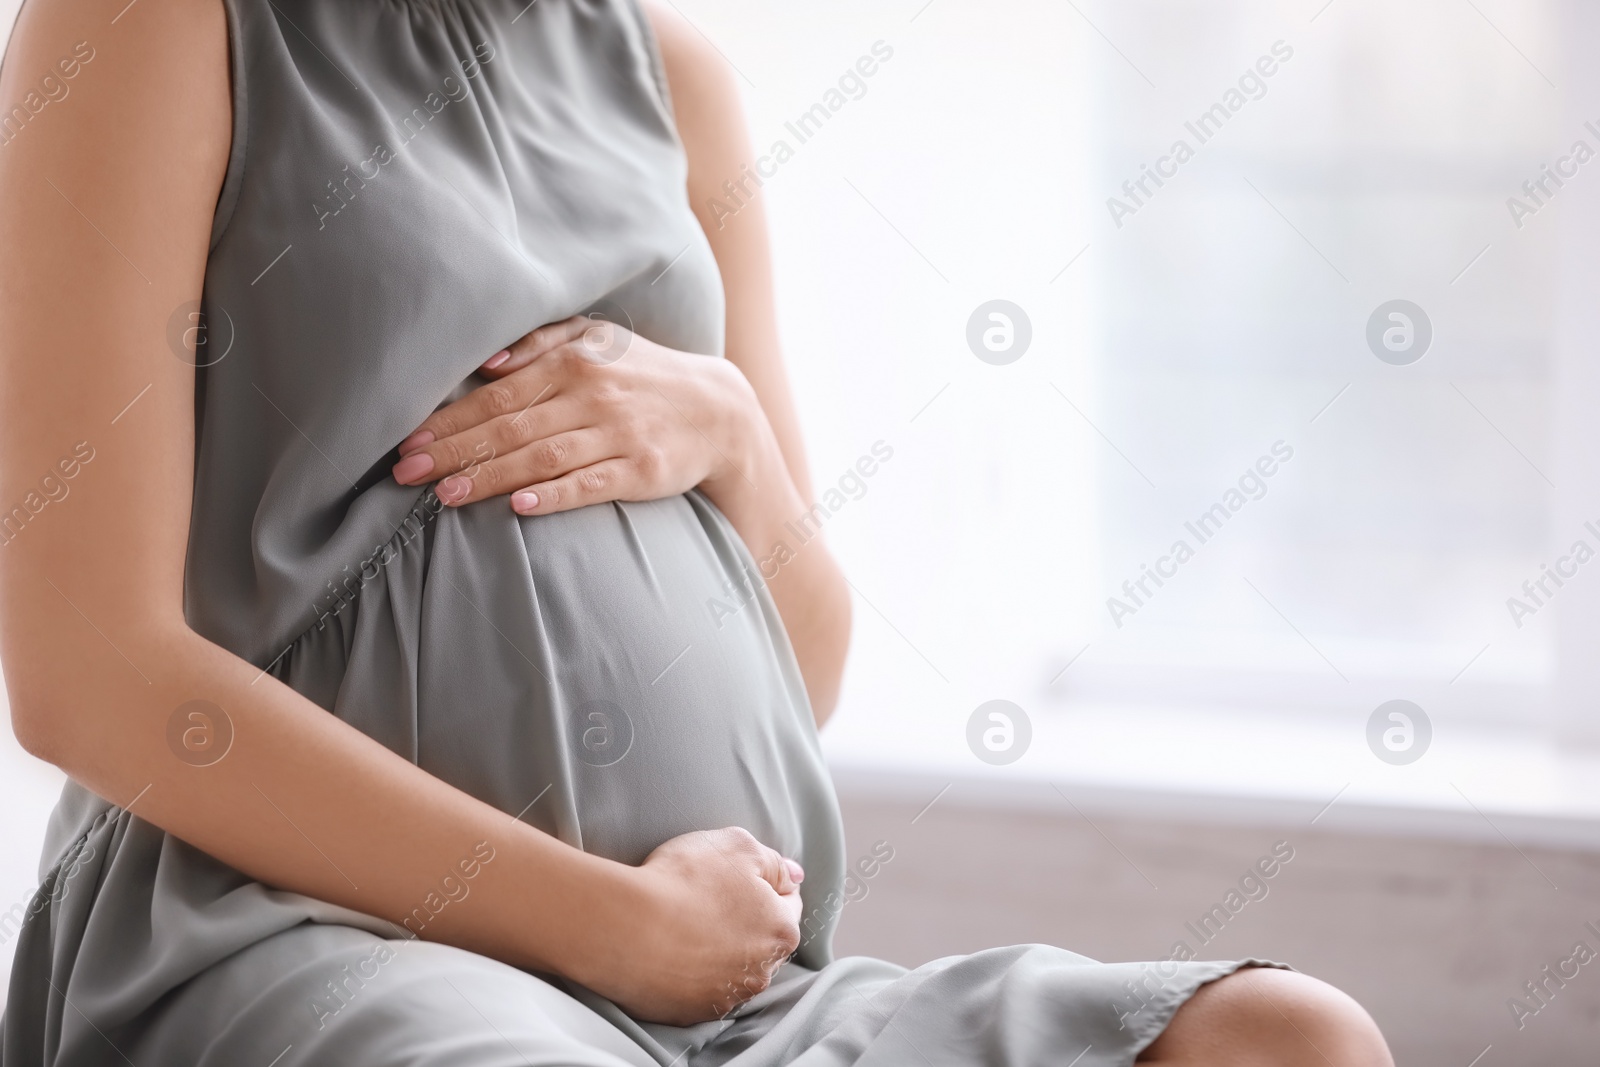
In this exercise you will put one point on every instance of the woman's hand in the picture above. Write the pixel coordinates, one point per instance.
(582, 412)
(709, 917)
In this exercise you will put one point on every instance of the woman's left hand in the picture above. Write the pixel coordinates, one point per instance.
(584, 411)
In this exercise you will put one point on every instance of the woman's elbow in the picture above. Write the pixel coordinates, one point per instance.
(71, 691)
(34, 723)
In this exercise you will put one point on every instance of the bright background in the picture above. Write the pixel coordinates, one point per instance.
(1170, 353)
(1167, 355)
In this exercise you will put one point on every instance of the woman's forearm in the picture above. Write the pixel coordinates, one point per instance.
(300, 801)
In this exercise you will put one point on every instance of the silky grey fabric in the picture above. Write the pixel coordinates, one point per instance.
(413, 185)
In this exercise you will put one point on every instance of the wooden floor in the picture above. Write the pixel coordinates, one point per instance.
(1432, 937)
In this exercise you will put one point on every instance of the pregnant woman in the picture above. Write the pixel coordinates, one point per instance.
(383, 575)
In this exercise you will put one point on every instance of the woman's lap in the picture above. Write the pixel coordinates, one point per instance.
(332, 996)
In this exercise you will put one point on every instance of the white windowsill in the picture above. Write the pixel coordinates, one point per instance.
(1473, 783)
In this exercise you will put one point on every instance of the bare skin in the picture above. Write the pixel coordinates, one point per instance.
(105, 210)
(1269, 1018)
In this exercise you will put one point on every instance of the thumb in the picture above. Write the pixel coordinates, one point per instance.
(782, 873)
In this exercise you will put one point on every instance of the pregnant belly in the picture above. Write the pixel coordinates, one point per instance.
(643, 682)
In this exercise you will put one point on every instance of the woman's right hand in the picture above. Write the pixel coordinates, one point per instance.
(709, 917)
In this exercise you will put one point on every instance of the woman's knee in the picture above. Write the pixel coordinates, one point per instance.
(1268, 1016)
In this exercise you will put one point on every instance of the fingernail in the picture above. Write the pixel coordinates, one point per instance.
(796, 872)
(453, 489)
(498, 358)
(524, 500)
(420, 439)
(413, 468)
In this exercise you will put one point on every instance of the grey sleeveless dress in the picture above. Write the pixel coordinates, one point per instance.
(414, 184)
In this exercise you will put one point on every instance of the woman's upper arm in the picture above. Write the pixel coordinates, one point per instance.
(711, 124)
(111, 162)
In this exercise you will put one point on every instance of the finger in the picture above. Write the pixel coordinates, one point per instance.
(507, 396)
(500, 436)
(543, 461)
(456, 436)
(779, 871)
(607, 480)
(530, 347)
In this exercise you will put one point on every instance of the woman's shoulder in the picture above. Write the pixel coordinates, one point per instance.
(78, 70)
